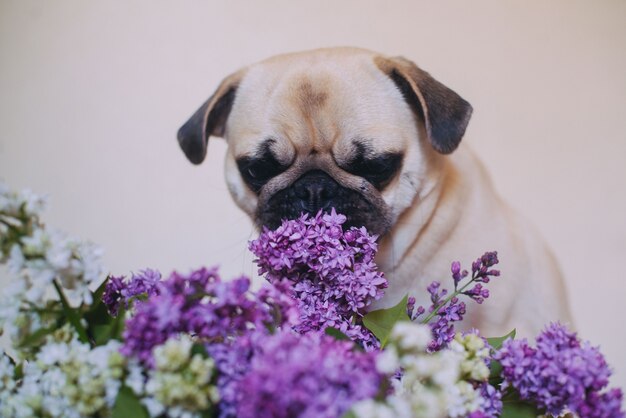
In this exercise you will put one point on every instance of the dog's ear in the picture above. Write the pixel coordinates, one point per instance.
(209, 119)
(445, 113)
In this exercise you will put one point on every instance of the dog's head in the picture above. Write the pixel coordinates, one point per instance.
(342, 127)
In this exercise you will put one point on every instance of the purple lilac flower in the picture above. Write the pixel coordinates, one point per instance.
(457, 274)
(306, 376)
(120, 291)
(482, 273)
(443, 315)
(232, 356)
(333, 271)
(154, 322)
(490, 401)
(602, 405)
(232, 359)
(112, 296)
(478, 293)
(278, 299)
(445, 310)
(411, 312)
(199, 304)
(443, 327)
(560, 372)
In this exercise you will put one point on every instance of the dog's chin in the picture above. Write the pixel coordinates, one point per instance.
(358, 211)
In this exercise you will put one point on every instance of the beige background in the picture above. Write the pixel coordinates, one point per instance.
(92, 93)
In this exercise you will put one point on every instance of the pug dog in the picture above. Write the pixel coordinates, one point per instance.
(377, 138)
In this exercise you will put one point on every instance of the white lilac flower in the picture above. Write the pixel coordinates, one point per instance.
(28, 399)
(20, 324)
(463, 399)
(36, 244)
(75, 264)
(135, 378)
(68, 379)
(10, 301)
(7, 369)
(388, 361)
(445, 370)
(154, 407)
(174, 354)
(7, 383)
(51, 354)
(411, 336)
(180, 383)
(16, 259)
(11, 202)
(432, 385)
(39, 255)
(475, 354)
(394, 407)
(96, 378)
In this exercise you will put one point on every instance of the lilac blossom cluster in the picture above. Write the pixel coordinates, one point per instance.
(195, 346)
(333, 271)
(476, 352)
(232, 359)
(560, 373)
(199, 304)
(445, 308)
(233, 355)
(490, 402)
(120, 291)
(307, 376)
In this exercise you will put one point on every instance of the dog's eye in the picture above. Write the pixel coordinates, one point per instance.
(253, 172)
(379, 171)
(258, 171)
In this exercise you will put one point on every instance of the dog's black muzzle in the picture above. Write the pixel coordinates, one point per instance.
(315, 191)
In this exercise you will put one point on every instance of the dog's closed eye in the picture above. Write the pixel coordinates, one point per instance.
(258, 170)
(379, 169)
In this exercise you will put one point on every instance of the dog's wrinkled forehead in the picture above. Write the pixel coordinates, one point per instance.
(324, 98)
(314, 110)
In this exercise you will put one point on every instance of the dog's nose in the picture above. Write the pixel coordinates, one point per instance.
(315, 190)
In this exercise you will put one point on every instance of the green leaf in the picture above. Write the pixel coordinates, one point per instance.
(349, 414)
(37, 337)
(381, 322)
(18, 373)
(209, 413)
(496, 342)
(127, 405)
(519, 409)
(97, 295)
(335, 333)
(71, 314)
(98, 314)
(495, 369)
(117, 328)
(101, 334)
(199, 349)
(101, 326)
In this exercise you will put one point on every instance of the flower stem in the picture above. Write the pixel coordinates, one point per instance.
(71, 314)
(446, 300)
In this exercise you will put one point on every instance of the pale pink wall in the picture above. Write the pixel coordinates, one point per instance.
(92, 93)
